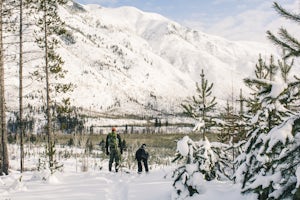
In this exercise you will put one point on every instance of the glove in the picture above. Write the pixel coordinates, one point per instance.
(107, 153)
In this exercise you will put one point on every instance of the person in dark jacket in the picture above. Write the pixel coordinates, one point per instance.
(141, 155)
(114, 149)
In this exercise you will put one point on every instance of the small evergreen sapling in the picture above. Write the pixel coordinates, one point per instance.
(202, 105)
(202, 162)
(184, 186)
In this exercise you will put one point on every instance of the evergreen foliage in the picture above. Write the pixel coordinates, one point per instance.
(285, 39)
(49, 28)
(44, 164)
(271, 159)
(201, 106)
(203, 161)
(229, 124)
(70, 122)
(273, 171)
(265, 108)
(273, 98)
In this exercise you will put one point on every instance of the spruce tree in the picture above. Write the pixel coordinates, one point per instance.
(201, 106)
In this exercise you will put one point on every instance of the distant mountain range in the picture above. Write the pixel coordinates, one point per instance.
(126, 61)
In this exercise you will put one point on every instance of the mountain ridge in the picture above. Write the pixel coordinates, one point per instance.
(127, 61)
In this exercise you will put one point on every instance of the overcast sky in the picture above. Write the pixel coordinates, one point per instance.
(231, 19)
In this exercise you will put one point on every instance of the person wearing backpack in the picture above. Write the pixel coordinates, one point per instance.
(114, 149)
(141, 155)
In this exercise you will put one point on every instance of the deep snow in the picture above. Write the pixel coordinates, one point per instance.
(105, 186)
(97, 184)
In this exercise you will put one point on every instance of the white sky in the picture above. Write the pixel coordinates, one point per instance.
(231, 19)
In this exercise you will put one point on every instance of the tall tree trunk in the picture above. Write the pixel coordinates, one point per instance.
(21, 89)
(4, 156)
(48, 100)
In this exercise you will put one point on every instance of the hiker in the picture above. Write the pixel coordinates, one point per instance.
(113, 148)
(141, 155)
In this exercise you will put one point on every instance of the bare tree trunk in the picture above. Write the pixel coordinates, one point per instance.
(48, 100)
(21, 90)
(4, 155)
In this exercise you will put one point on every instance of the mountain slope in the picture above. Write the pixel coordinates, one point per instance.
(123, 60)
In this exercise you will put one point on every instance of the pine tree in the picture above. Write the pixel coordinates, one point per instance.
(285, 68)
(232, 130)
(265, 116)
(292, 98)
(4, 160)
(232, 121)
(21, 86)
(227, 125)
(14, 28)
(271, 159)
(271, 69)
(285, 39)
(50, 26)
(261, 69)
(269, 111)
(184, 184)
(201, 106)
(278, 161)
(241, 118)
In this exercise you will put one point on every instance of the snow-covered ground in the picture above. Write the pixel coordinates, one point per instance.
(104, 185)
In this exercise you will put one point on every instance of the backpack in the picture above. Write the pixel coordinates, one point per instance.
(113, 140)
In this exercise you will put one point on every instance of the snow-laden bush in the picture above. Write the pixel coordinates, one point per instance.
(202, 163)
(271, 162)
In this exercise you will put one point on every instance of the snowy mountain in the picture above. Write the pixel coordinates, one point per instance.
(124, 60)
